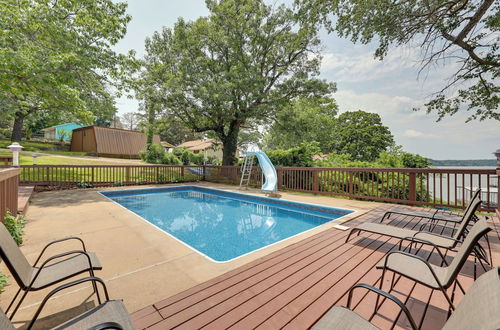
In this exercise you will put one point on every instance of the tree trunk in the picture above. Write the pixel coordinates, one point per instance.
(17, 130)
(230, 144)
(151, 122)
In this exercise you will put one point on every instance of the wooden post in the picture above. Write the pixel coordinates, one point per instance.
(498, 193)
(127, 175)
(182, 173)
(280, 177)
(315, 181)
(351, 183)
(413, 187)
(204, 167)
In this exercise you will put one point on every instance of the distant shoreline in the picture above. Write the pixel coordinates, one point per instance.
(464, 162)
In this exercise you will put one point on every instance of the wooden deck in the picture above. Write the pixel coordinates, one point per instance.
(293, 287)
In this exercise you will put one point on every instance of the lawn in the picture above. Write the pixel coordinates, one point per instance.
(27, 159)
(45, 147)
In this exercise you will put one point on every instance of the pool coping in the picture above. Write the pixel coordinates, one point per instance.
(107, 193)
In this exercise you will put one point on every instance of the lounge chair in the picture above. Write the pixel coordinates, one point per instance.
(436, 215)
(441, 241)
(435, 277)
(111, 314)
(479, 308)
(427, 237)
(53, 270)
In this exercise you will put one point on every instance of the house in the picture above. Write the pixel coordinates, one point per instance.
(208, 147)
(64, 131)
(168, 147)
(112, 142)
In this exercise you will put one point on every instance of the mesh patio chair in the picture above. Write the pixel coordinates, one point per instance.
(435, 277)
(436, 216)
(52, 270)
(479, 308)
(111, 314)
(428, 237)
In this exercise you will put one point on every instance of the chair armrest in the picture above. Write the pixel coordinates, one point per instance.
(388, 213)
(386, 295)
(57, 256)
(93, 279)
(437, 235)
(58, 241)
(430, 223)
(107, 325)
(420, 240)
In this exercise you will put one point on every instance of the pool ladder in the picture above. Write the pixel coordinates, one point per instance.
(246, 171)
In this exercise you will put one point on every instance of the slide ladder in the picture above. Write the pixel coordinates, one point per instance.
(246, 171)
(269, 174)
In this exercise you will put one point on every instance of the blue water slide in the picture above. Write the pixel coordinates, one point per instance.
(268, 170)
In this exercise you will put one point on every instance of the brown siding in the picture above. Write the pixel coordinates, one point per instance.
(109, 141)
(83, 140)
(120, 142)
(77, 141)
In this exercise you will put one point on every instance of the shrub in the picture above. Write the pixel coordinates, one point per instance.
(153, 154)
(300, 156)
(3, 281)
(169, 158)
(15, 227)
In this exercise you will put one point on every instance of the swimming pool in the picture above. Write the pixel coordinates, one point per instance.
(219, 224)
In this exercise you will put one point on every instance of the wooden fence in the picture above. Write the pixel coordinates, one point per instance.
(432, 187)
(86, 176)
(9, 183)
(451, 188)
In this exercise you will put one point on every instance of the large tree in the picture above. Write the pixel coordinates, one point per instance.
(238, 65)
(361, 135)
(464, 32)
(304, 120)
(56, 57)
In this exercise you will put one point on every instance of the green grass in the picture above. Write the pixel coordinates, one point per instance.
(27, 159)
(34, 145)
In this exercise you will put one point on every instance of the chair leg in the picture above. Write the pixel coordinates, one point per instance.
(443, 290)
(489, 249)
(18, 304)
(350, 233)
(12, 302)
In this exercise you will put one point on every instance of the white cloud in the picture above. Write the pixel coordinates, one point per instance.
(412, 133)
(419, 132)
(363, 66)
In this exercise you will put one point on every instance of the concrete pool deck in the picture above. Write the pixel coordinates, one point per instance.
(142, 265)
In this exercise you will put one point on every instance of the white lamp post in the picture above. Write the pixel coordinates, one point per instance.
(15, 148)
(34, 158)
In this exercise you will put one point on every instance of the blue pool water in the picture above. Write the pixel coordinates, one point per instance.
(219, 224)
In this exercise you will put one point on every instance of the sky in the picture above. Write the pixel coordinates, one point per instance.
(391, 88)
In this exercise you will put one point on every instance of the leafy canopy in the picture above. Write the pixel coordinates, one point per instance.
(304, 120)
(361, 135)
(232, 69)
(56, 56)
(463, 32)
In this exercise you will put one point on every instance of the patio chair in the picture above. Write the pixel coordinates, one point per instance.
(435, 277)
(53, 270)
(477, 310)
(111, 314)
(428, 237)
(436, 215)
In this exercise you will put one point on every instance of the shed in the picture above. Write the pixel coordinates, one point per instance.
(114, 142)
(56, 132)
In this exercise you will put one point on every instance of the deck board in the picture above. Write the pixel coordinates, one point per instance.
(293, 287)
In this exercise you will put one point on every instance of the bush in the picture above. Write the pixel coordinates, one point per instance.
(300, 156)
(169, 158)
(153, 154)
(3, 281)
(15, 227)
